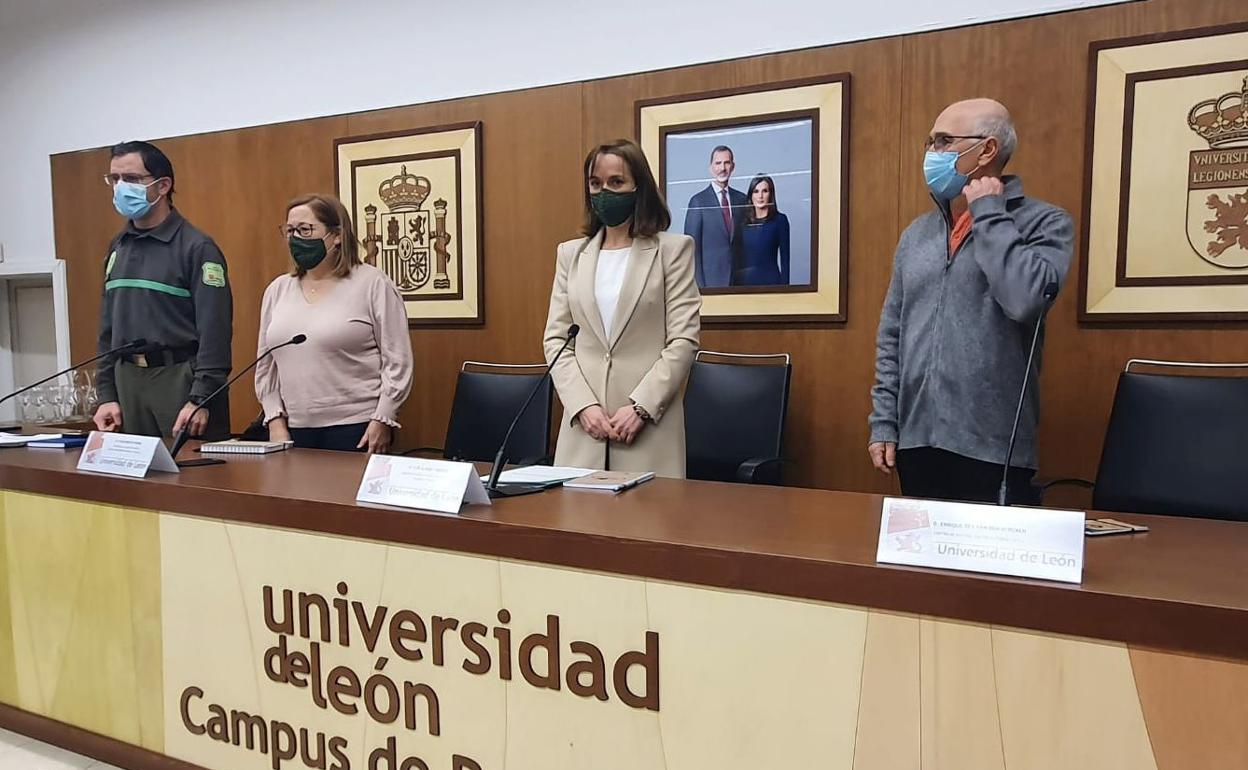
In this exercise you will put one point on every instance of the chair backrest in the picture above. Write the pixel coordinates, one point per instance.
(1176, 445)
(485, 404)
(734, 412)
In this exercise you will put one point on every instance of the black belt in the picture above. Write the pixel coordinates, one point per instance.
(164, 357)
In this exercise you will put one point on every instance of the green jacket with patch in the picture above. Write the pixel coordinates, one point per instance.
(168, 285)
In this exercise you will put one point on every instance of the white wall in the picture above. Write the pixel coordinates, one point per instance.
(84, 73)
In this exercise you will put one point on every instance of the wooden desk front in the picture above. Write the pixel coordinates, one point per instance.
(782, 641)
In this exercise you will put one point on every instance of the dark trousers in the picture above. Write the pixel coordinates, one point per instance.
(151, 398)
(941, 475)
(341, 438)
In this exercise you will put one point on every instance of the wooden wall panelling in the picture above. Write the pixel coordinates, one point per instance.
(531, 158)
(234, 183)
(83, 223)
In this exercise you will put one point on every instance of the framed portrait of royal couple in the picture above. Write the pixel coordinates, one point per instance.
(758, 178)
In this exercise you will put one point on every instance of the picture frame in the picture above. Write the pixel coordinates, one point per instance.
(1165, 198)
(416, 199)
(759, 178)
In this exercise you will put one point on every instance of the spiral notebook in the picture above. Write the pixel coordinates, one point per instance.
(238, 447)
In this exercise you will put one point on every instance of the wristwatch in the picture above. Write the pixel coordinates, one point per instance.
(641, 412)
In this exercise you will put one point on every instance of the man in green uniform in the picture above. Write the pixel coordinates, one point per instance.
(165, 282)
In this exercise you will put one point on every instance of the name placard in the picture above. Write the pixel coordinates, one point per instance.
(122, 454)
(412, 482)
(1025, 542)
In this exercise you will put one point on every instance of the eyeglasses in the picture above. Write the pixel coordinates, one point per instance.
(302, 230)
(112, 179)
(941, 142)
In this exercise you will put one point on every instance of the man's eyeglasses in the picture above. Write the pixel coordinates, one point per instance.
(941, 142)
(303, 231)
(112, 179)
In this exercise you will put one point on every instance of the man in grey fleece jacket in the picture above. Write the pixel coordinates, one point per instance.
(967, 287)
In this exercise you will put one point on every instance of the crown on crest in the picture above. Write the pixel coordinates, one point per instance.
(1222, 122)
(404, 191)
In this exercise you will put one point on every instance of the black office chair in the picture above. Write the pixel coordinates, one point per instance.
(734, 417)
(1176, 444)
(486, 402)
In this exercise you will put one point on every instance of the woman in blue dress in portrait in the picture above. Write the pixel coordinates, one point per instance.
(763, 257)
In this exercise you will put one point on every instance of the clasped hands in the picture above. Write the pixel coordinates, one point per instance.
(622, 427)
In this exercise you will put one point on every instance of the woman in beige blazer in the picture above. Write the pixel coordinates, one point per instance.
(630, 288)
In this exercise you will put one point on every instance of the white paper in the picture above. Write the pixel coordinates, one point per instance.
(539, 474)
(1025, 542)
(17, 439)
(122, 454)
(413, 482)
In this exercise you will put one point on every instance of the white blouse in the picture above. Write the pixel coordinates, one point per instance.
(608, 280)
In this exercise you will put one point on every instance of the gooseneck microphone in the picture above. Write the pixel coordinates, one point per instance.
(134, 346)
(500, 459)
(1050, 293)
(180, 439)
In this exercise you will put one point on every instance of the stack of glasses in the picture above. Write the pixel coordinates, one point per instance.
(71, 397)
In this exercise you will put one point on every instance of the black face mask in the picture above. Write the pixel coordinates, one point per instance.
(307, 252)
(614, 209)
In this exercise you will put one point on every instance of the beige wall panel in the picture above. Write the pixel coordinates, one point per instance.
(143, 565)
(888, 714)
(756, 681)
(960, 727)
(82, 623)
(1068, 703)
(609, 735)
(467, 588)
(45, 569)
(8, 665)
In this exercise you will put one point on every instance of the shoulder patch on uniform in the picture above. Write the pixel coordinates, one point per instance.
(108, 268)
(214, 274)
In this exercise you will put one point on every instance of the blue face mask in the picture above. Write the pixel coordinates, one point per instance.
(940, 170)
(130, 199)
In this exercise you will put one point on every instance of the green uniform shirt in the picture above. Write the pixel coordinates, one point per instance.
(167, 285)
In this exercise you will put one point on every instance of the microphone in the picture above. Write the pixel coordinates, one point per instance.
(500, 459)
(183, 434)
(133, 346)
(1050, 293)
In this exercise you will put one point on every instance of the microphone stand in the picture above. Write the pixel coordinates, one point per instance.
(1003, 493)
(512, 490)
(182, 435)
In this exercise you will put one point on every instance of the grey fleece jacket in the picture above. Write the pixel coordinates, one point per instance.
(955, 329)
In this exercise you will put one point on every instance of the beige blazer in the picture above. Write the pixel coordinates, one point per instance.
(646, 360)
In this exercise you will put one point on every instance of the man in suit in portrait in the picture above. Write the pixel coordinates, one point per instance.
(711, 221)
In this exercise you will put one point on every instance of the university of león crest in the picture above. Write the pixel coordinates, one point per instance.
(1217, 183)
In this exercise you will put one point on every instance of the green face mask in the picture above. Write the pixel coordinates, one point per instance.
(613, 209)
(307, 252)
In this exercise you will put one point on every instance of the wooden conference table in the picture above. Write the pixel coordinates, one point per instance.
(253, 615)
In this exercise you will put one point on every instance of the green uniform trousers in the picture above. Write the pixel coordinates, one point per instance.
(151, 397)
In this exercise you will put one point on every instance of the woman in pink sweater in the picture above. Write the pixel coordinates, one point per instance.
(342, 388)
